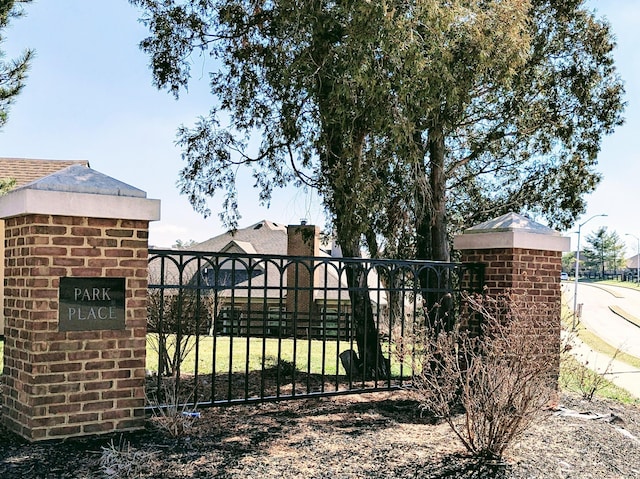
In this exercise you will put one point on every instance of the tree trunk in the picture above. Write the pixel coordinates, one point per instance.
(438, 183)
(372, 363)
(431, 200)
(431, 229)
(340, 157)
(422, 202)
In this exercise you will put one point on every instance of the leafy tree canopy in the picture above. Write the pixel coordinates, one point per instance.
(13, 72)
(410, 118)
(6, 185)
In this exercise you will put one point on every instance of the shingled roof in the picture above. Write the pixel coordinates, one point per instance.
(262, 238)
(26, 170)
(265, 237)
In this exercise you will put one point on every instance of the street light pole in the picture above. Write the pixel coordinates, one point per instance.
(575, 287)
(637, 257)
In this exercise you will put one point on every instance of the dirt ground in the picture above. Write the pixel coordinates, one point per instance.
(380, 435)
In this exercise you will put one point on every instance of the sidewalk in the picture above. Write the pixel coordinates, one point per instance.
(619, 373)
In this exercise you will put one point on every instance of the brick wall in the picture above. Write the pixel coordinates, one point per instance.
(63, 384)
(1, 276)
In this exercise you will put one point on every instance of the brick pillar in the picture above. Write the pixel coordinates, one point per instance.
(521, 256)
(75, 365)
(518, 254)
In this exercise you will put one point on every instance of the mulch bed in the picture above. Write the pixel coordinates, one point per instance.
(380, 435)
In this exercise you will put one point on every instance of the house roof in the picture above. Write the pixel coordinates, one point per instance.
(27, 170)
(264, 237)
(632, 263)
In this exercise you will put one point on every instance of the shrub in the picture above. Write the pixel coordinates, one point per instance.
(175, 316)
(501, 379)
(120, 460)
(171, 412)
(578, 374)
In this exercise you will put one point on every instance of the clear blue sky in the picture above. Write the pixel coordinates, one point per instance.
(89, 96)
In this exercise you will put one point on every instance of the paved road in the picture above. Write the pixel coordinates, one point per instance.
(616, 331)
(597, 316)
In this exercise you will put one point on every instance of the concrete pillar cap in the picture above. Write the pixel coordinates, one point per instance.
(511, 231)
(80, 191)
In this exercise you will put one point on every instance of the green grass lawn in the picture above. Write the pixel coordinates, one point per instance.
(576, 378)
(233, 354)
(242, 354)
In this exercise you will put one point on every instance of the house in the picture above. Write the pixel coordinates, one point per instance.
(25, 171)
(632, 265)
(266, 279)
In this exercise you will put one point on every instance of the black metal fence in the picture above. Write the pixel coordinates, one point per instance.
(226, 328)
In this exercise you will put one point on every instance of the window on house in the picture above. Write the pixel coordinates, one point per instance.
(330, 320)
(276, 322)
(229, 320)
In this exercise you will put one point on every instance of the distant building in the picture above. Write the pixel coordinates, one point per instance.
(632, 263)
(26, 170)
(270, 295)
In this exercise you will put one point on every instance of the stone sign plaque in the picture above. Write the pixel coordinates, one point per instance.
(91, 304)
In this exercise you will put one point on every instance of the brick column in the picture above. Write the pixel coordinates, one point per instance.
(86, 377)
(520, 256)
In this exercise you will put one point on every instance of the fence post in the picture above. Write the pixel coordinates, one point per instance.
(521, 256)
(76, 247)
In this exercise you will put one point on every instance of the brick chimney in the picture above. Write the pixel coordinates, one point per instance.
(302, 240)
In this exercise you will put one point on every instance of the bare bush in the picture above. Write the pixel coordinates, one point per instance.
(120, 460)
(171, 412)
(501, 379)
(579, 374)
(174, 318)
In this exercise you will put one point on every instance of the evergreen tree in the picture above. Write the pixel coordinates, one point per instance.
(14, 72)
(569, 262)
(604, 252)
(410, 118)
